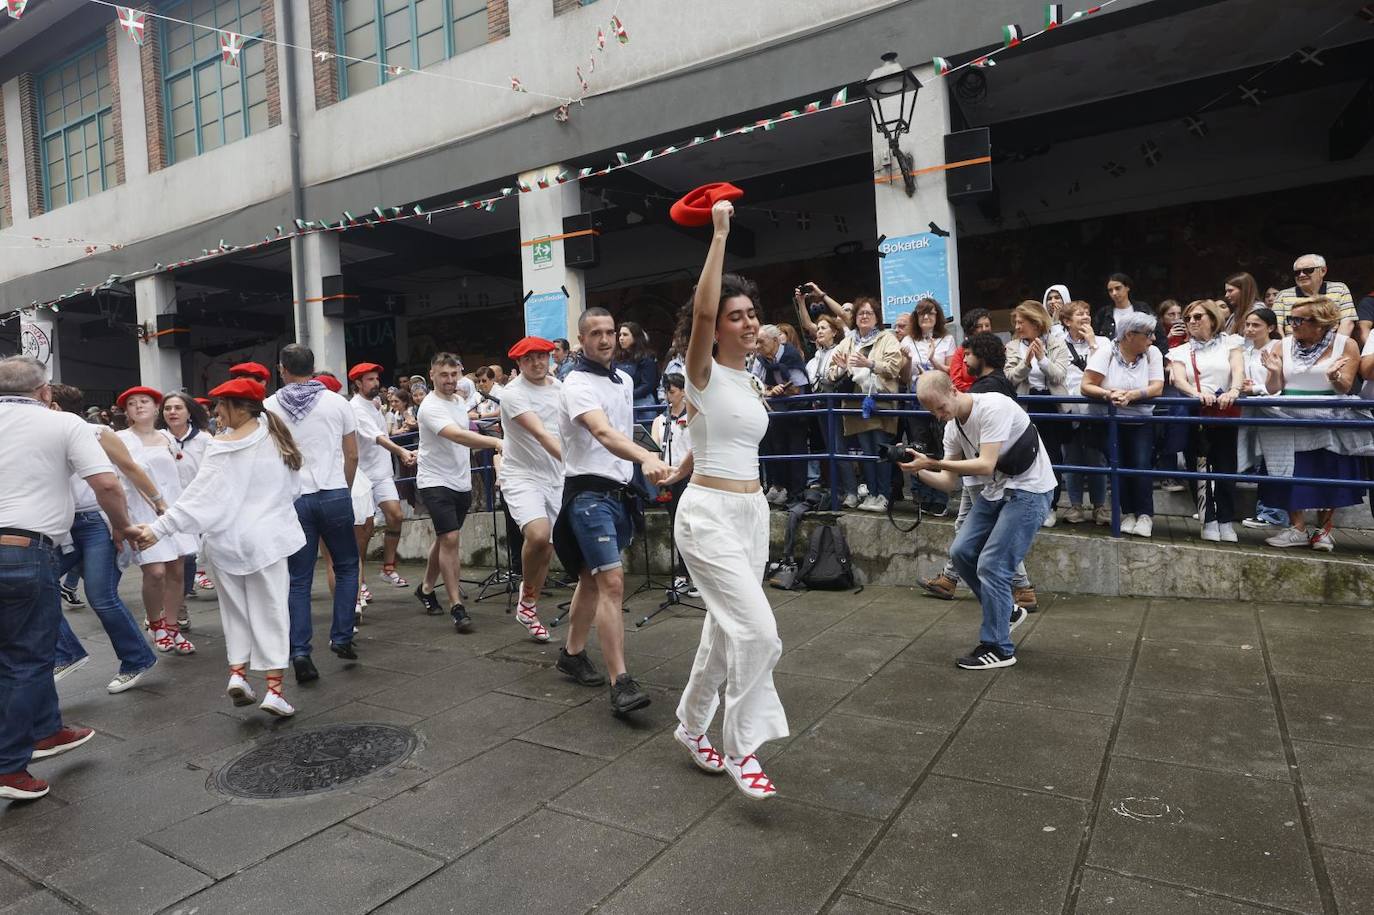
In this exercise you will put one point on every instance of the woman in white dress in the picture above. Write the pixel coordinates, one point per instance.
(190, 426)
(156, 451)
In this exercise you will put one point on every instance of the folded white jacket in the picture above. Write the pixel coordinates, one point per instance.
(243, 500)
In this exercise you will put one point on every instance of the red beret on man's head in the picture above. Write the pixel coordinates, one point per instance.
(361, 369)
(154, 393)
(694, 209)
(250, 370)
(330, 382)
(204, 401)
(241, 389)
(526, 345)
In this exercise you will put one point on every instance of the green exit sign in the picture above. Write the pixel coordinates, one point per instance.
(542, 251)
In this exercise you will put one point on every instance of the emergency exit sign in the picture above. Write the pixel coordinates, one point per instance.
(542, 252)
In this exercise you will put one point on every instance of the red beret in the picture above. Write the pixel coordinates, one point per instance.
(361, 369)
(240, 389)
(204, 401)
(154, 393)
(526, 345)
(330, 382)
(251, 370)
(694, 209)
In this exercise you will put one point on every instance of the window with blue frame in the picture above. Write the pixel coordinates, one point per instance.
(76, 113)
(210, 103)
(413, 34)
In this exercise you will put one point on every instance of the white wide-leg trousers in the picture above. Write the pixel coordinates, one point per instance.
(257, 623)
(723, 539)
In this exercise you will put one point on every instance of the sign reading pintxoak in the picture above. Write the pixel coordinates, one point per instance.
(914, 267)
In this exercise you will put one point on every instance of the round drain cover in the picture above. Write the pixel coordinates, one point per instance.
(315, 759)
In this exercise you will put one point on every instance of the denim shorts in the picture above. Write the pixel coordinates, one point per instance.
(601, 524)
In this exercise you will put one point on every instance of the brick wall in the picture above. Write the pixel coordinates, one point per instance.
(270, 69)
(114, 35)
(498, 19)
(6, 207)
(326, 72)
(154, 117)
(33, 168)
(567, 6)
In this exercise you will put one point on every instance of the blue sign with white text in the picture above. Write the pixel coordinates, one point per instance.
(914, 267)
(546, 315)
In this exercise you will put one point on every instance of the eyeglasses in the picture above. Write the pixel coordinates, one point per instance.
(1191, 318)
(1292, 321)
(1305, 271)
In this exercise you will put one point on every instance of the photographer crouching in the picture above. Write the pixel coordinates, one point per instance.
(990, 442)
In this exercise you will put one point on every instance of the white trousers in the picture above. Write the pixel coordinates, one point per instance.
(723, 539)
(257, 624)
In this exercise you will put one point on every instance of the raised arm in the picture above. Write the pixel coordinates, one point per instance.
(705, 304)
(803, 316)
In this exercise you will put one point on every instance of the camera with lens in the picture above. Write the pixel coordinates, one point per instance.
(897, 453)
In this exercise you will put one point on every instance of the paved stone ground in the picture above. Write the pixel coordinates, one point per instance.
(1144, 756)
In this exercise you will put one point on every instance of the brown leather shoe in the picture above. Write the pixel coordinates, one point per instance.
(940, 586)
(1025, 598)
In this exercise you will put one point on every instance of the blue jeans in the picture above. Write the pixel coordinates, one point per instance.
(877, 474)
(601, 524)
(94, 556)
(1136, 445)
(994, 540)
(30, 607)
(1076, 451)
(325, 515)
(188, 575)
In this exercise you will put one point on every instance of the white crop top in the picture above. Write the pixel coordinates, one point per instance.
(729, 424)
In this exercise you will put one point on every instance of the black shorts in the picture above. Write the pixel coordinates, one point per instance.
(447, 507)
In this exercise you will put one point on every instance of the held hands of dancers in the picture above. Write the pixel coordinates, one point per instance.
(141, 536)
(655, 470)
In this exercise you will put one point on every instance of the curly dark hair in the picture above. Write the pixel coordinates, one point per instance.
(731, 285)
(989, 349)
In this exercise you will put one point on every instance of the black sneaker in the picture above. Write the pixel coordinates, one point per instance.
(985, 657)
(461, 621)
(431, 603)
(305, 669)
(1018, 616)
(344, 650)
(71, 597)
(579, 667)
(627, 695)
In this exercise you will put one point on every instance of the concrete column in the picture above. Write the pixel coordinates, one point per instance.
(14, 145)
(541, 216)
(129, 74)
(324, 324)
(157, 367)
(899, 215)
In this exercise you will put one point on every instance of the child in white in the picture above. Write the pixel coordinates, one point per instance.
(243, 501)
(722, 532)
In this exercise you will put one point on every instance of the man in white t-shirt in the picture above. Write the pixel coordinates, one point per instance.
(42, 448)
(324, 428)
(375, 451)
(444, 482)
(989, 441)
(532, 469)
(596, 421)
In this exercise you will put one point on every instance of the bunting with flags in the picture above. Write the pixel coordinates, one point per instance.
(618, 30)
(134, 23)
(1011, 36)
(941, 65)
(16, 8)
(230, 46)
(1054, 15)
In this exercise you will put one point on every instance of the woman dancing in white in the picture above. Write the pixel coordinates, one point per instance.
(722, 530)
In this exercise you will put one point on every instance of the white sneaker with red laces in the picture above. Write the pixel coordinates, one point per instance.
(749, 777)
(240, 693)
(365, 594)
(203, 582)
(390, 575)
(528, 616)
(706, 757)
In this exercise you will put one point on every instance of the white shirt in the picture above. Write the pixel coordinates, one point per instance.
(83, 497)
(924, 352)
(997, 418)
(523, 457)
(1256, 372)
(1213, 362)
(373, 459)
(443, 462)
(1073, 375)
(674, 437)
(1367, 389)
(584, 392)
(1116, 374)
(729, 424)
(1119, 313)
(320, 438)
(49, 447)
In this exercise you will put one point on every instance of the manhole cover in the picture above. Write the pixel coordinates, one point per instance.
(315, 760)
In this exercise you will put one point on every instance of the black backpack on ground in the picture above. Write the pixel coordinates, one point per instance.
(827, 565)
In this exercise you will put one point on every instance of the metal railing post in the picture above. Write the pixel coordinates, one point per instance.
(832, 442)
(1114, 462)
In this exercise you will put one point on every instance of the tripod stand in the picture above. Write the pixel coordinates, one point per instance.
(672, 596)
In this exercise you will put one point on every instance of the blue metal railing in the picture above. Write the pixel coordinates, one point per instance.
(831, 408)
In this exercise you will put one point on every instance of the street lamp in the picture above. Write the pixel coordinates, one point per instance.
(891, 90)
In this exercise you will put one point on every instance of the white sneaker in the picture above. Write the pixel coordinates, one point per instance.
(1171, 485)
(391, 576)
(1102, 514)
(1211, 531)
(863, 491)
(121, 682)
(1144, 526)
(1051, 519)
(1073, 515)
(879, 503)
(706, 757)
(528, 618)
(240, 693)
(1322, 541)
(1289, 536)
(850, 501)
(1128, 524)
(61, 670)
(1228, 533)
(275, 704)
(749, 777)
(1018, 616)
